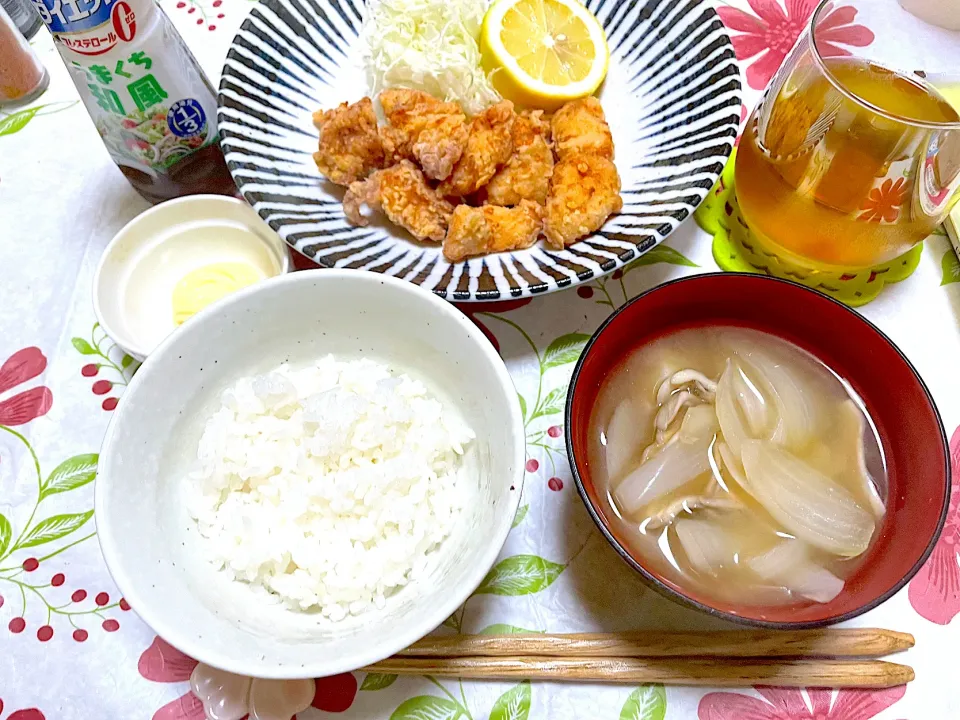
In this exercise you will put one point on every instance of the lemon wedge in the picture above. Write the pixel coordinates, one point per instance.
(542, 53)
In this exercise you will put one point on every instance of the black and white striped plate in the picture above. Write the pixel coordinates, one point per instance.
(672, 97)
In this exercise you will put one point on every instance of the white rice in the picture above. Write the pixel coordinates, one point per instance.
(328, 486)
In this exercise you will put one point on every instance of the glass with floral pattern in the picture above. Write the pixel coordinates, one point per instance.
(852, 158)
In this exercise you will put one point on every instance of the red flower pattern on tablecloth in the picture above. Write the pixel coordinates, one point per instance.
(772, 32)
(790, 704)
(935, 591)
(30, 404)
(882, 204)
(25, 714)
(205, 14)
(161, 662)
(100, 348)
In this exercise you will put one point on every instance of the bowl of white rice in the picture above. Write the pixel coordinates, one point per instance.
(310, 475)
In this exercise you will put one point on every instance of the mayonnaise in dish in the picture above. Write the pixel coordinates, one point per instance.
(179, 273)
(205, 285)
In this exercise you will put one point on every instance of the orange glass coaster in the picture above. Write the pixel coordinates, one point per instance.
(737, 249)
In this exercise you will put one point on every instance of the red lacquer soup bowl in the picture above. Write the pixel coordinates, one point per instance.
(910, 429)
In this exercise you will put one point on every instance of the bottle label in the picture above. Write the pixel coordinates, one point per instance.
(114, 17)
(142, 87)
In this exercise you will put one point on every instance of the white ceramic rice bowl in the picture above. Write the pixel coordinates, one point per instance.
(150, 542)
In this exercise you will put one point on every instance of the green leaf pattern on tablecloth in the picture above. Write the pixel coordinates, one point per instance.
(648, 702)
(513, 704)
(502, 629)
(54, 528)
(520, 575)
(521, 514)
(71, 474)
(377, 681)
(6, 533)
(950, 267)
(553, 403)
(39, 530)
(17, 121)
(82, 346)
(661, 254)
(565, 349)
(428, 707)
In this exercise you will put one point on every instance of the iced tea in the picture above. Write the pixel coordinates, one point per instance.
(847, 164)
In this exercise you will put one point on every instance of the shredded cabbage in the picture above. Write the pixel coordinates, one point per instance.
(429, 45)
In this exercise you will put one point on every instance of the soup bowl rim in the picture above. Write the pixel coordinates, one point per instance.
(651, 579)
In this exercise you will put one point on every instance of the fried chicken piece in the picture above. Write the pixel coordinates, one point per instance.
(489, 229)
(526, 176)
(423, 128)
(584, 192)
(349, 147)
(579, 127)
(529, 125)
(489, 145)
(402, 193)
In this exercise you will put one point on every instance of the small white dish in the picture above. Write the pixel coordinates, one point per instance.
(151, 543)
(134, 283)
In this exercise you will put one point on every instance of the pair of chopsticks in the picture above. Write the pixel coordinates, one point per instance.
(806, 658)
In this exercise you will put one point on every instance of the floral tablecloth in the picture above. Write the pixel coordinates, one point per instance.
(71, 648)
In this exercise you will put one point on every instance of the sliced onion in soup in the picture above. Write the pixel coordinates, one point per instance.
(796, 410)
(699, 422)
(753, 397)
(705, 544)
(675, 465)
(807, 503)
(850, 427)
(789, 563)
(732, 463)
(732, 424)
(629, 425)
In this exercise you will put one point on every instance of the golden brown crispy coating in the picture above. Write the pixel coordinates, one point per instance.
(349, 147)
(530, 124)
(526, 175)
(584, 192)
(489, 229)
(423, 128)
(489, 145)
(401, 191)
(580, 127)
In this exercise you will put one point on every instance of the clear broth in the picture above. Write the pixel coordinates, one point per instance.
(636, 380)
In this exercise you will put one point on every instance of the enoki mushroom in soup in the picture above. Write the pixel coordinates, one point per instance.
(739, 466)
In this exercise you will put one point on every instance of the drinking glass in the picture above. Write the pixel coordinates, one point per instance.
(852, 157)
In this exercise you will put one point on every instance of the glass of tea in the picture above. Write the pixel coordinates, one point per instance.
(850, 160)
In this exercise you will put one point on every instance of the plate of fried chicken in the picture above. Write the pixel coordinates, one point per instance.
(506, 203)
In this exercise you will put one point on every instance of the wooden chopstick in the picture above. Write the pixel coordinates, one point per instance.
(825, 643)
(715, 672)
